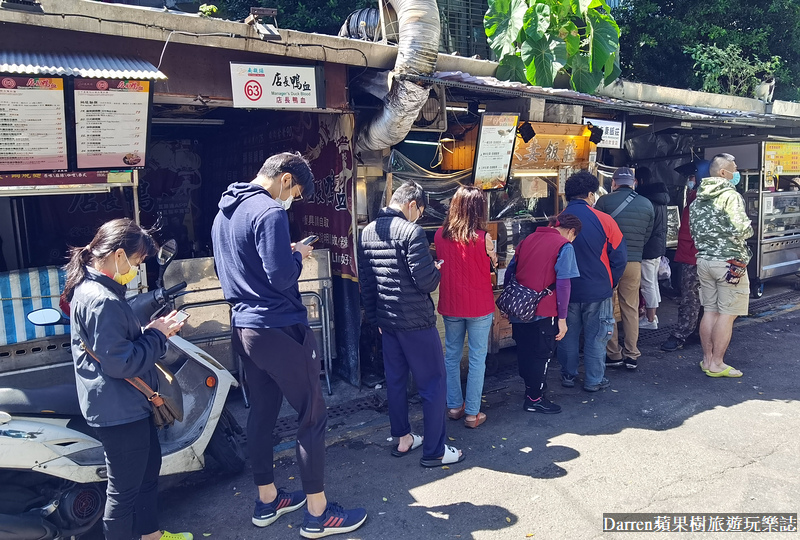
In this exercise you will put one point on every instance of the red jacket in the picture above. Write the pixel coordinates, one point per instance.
(466, 286)
(686, 252)
(536, 265)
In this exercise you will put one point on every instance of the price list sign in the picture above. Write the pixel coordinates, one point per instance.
(496, 138)
(111, 122)
(32, 124)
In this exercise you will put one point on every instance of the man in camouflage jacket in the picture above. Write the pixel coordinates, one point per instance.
(720, 229)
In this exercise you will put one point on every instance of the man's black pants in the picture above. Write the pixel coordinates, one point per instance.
(283, 362)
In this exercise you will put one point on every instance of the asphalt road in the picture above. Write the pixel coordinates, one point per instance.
(665, 438)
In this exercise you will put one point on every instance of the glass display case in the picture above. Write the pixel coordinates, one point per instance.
(776, 242)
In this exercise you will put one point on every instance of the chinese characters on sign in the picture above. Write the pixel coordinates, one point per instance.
(495, 148)
(259, 86)
(32, 124)
(612, 132)
(696, 523)
(111, 122)
(64, 178)
(780, 158)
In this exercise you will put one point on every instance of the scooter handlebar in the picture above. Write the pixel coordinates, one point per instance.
(172, 290)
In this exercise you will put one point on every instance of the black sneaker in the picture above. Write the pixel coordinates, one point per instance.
(541, 405)
(604, 383)
(672, 344)
(631, 363)
(613, 363)
(335, 520)
(265, 514)
(567, 381)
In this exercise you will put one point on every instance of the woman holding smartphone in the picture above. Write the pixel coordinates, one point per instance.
(466, 300)
(108, 346)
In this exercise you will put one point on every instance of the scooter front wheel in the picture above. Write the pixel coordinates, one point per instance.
(224, 445)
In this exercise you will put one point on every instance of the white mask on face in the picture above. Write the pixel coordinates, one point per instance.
(288, 202)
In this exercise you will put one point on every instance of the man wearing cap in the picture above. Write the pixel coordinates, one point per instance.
(635, 215)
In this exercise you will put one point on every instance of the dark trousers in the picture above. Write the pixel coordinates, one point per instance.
(283, 362)
(689, 307)
(133, 459)
(536, 344)
(419, 351)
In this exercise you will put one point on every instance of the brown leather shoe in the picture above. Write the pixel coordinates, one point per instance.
(456, 414)
(480, 418)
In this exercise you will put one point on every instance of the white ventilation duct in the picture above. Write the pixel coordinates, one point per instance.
(418, 48)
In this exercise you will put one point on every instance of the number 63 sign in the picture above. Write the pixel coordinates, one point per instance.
(260, 86)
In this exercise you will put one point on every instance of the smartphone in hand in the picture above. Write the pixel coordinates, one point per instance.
(181, 316)
(309, 240)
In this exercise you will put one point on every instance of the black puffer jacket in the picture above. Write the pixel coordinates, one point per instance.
(658, 196)
(397, 273)
(635, 221)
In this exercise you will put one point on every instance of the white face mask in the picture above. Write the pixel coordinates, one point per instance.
(288, 202)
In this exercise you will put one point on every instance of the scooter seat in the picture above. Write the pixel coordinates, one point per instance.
(60, 400)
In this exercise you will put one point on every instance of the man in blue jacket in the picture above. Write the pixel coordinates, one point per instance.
(601, 255)
(258, 268)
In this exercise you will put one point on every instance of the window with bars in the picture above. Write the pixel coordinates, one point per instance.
(462, 28)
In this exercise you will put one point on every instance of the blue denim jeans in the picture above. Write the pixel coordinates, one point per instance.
(477, 330)
(596, 319)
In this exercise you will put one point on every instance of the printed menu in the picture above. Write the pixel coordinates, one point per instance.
(111, 122)
(496, 138)
(32, 124)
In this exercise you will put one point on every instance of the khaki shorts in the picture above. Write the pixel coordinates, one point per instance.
(719, 296)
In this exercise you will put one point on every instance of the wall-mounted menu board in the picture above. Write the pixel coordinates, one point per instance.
(111, 122)
(32, 124)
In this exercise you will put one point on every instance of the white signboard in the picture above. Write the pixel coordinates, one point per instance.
(111, 122)
(496, 138)
(612, 132)
(259, 86)
(32, 124)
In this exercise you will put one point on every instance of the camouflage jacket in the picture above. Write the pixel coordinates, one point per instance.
(718, 222)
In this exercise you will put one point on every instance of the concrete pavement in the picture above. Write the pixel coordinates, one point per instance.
(664, 438)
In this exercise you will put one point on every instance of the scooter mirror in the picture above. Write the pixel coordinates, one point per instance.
(45, 317)
(167, 252)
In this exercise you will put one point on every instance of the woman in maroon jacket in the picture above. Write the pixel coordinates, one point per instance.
(466, 300)
(544, 260)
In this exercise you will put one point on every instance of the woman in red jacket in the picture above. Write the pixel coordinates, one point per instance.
(544, 260)
(466, 301)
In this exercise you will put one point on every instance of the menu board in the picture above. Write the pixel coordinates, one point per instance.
(111, 122)
(782, 158)
(496, 138)
(32, 124)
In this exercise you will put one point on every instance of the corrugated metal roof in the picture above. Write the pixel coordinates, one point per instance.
(90, 65)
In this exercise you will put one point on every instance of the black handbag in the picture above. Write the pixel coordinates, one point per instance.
(519, 301)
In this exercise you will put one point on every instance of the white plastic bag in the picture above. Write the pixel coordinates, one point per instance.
(664, 271)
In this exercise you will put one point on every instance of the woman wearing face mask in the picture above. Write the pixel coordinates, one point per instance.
(102, 322)
(544, 260)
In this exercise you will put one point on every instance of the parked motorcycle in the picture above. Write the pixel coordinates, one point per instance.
(52, 468)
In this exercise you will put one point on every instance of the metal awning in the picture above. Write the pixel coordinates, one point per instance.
(90, 65)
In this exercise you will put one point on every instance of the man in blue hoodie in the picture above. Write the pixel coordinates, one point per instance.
(258, 267)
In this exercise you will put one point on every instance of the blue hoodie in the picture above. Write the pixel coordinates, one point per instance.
(255, 263)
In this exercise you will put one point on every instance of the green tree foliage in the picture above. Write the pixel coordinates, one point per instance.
(538, 40)
(727, 71)
(659, 35)
(320, 16)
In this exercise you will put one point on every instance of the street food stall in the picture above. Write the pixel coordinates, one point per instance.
(772, 199)
(69, 144)
(520, 199)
